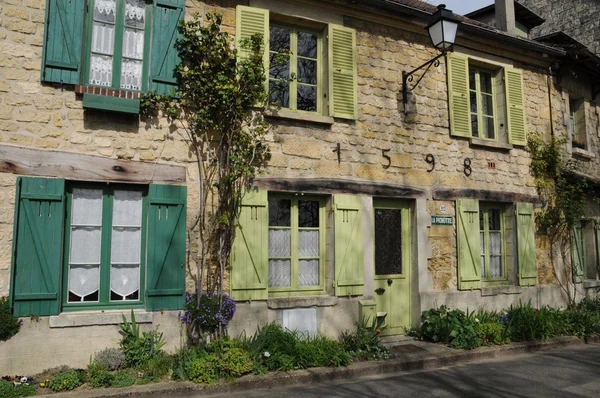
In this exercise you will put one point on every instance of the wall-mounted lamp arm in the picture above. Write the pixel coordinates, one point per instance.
(407, 77)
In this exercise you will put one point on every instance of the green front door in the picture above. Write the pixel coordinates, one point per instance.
(392, 263)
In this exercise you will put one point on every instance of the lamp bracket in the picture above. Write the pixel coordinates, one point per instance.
(408, 77)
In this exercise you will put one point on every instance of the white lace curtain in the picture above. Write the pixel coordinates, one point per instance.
(280, 270)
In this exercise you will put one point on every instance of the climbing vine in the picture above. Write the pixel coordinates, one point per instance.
(219, 105)
(563, 199)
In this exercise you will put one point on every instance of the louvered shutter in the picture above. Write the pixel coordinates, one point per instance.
(597, 226)
(165, 286)
(164, 57)
(38, 243)
(249, 254)
(517, 128)
(348, 243)
(468, 242)
(342, 72)
(458, 95)
(577, 254)
(526, 244)
(63, 36)
(251, 21)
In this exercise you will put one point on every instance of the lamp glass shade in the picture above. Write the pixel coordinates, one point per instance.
(443, 34)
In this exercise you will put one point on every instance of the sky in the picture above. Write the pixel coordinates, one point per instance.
(462, 6)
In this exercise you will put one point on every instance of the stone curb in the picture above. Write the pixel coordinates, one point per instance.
(319, 375)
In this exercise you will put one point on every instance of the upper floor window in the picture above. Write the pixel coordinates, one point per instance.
(577, 125)
(481, 96)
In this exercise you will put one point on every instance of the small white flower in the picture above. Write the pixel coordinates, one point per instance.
(266, 354)
(23, 379)
(477, 320)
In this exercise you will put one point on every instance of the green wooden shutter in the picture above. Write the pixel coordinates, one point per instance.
(164, 57)
(578, 254)
(251, 21)
(63, 36)
(458, 95)
(468, 242)
(348, 242)
(526, 244)
(342, 72)
(249, 254)
(517, 128)
(37, 246)
(597, 225)
(165, 277)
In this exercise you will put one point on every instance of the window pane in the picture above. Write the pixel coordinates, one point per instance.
(474, 126)
(133, 43)
(495, 267)
(308, 273)
(127, 208)
(482, 266)
(103, 38)
(481, 220)
(85, 245)
(280, 38)
(126, 245)
(135, 13)
(308, 244)
(87, 207)
(104, 10)
(101, 70)
(494, 219)
(278, 68)
(84, 280)
(280, 273)
(487, 105)
(482, 242)
(131, 74)
(388, 241)
(280, 243)
(279, 212)
(124, 281)
(279, 93)
(488, 127)
(307, 45)
(307, 98)
(473, 97)
(472, 75)
(485, 82)
(308, 214)
(307, 71)
(495, 243)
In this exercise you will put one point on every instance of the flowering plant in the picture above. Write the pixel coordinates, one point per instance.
(208, 314)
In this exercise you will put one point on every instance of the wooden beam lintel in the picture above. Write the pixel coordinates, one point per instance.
(74, 166)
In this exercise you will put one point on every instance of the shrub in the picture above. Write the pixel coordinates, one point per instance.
(122, 379)
(138, 349)
(9, 390)
(183, 359)
(65, 381)
(492, 333)
(112, 358)
(203, 370)
(233, 361)
(365, 342)
(590, 304)
(581, 323)
(455, 328)
(207, 316)
(158, 366)
(9, 324)
(99, 376)
(526, 323)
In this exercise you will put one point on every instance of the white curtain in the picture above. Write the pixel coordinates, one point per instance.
(84, 280)
(308, 273)
(308, 245)
(280, 243)
(280, 273)
(103, 42)
(133, 45)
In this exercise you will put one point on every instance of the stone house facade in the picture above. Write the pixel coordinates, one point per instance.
(365, 207)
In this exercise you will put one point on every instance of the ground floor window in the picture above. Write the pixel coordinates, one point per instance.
(491, 235)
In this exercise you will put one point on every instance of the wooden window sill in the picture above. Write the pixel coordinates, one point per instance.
(95, 318)
(109, 103)
(582, 153)
(591, 283)
(302, 117)
(490, 144)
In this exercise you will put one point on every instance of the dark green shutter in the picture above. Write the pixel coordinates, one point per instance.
(249, 254)
(468, 242)
(164, 57)
(37, 246)
(165, 286)
(349, 259)
(578, 254)
(63, 36)
(526, 244)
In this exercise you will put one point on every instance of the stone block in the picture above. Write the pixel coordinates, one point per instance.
(15, 74)
(17, 12)
(47, 144)
(302, 147)
(20, 26)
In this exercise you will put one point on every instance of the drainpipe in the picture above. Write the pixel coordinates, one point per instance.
(549, 81)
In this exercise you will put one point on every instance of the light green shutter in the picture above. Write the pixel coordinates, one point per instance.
(249, 254)
(517, 128)
(63, 36)
(342, 72)
(164, 57)
(37, 246)
(458, 95)
(165, 286)
(468, 241)
(578, 254)
(349, 262)
(597, 225)
(251, 21)
(526, 244)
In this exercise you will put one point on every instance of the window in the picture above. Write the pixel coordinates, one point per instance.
(298, 84)
(491, 235)
(296, 243)
(577, 124)
(486, 101)
(107, 246)
(481, 96)
(128, 47)
(578, 252)
(295, 83)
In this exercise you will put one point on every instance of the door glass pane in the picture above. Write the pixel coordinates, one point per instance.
(308, 214)
(280, 273)
(308, 243)
(308, 273)
(280, 212)
(280, 243)
(388, 241)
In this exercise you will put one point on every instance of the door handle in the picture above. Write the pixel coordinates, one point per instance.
(389, 281)
(380, 291)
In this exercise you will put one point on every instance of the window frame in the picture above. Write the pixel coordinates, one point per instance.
(294, 289)
(485, 207)
(576, 113)
(478, 94)
(293, 69)
(104, 301)
(118, 46)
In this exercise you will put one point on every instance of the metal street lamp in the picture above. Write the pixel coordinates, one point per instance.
(442, 28)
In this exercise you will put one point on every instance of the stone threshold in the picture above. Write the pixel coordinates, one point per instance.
(97, 318)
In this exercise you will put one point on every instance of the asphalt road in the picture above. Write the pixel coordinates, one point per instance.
(573, 372)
